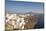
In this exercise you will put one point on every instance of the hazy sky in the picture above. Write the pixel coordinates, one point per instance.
(23, 7)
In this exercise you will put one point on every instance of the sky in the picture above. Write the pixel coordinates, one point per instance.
(24, 7)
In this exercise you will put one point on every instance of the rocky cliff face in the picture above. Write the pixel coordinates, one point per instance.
(21, 21)
(32, 21)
